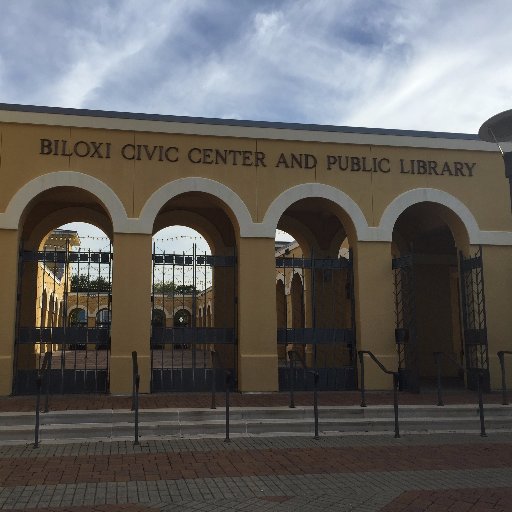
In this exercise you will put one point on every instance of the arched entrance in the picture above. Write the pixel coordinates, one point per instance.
(64, 282)
(439, 299)
(194, 282)
(314, 275)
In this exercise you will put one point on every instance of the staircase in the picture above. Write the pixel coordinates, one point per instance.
(118, 424)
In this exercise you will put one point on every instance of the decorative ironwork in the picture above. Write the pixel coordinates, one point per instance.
(474, 319)
(60, 292)
(405, 322)
(315, 300)
(193, 320)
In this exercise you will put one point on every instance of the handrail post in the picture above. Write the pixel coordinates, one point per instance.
(316, 378)
(136, 433)
(437, 357)
(361, 362)
(134, 372)
(292, 378)
(214, 376)
(395, 403)
(48, 381)
(481, 405)
(228, 384)
(504, 399)
(38, 404)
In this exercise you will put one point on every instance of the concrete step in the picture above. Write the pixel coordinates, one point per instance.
(108, 425)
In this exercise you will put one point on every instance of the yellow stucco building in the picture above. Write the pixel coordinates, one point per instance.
(403, 247)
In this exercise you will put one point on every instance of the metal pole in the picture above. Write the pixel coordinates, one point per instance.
(481, 405)
(504, 400)
(361, 361)
(137, 382)
(315, 402)
(292, 379)
(437, 357)
(38, 403)
(395, 403)
(48, 382)
(228, 383)
(134, 377)
(214, 372)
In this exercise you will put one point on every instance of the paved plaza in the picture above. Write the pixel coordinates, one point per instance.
(364, 473)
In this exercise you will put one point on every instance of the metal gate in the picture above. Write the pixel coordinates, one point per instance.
(193, 331)
(315, 298)
(64, 306)
(405, 322)
(474, 318)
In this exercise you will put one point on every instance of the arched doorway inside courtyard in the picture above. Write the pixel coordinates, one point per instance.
(315, 297)
(64, 287)
(439, 300)
(193, 335)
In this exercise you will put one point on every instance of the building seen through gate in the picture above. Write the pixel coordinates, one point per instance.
(400, 243)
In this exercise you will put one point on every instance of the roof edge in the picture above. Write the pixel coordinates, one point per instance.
(110, 114)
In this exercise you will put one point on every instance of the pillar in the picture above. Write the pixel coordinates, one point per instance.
(131, 311)
(8, 268)
(257, 332)
(375, 315)
(497, 265)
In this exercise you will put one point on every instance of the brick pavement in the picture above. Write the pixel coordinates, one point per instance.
(357, 473)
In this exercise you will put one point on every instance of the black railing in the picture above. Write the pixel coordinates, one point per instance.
(361, 354)
(501, 356)
(480, 384)
(292, 356)
(135, 396)
(215, 362)
(42, 374)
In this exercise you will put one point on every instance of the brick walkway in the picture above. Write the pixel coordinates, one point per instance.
(356, 473)
(422, 473)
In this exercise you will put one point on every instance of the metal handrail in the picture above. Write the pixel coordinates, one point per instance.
(440, 402)
(215, 360)
(292, 355)
(135, 396)
(361, 354)
(501, 357)
(43, 371)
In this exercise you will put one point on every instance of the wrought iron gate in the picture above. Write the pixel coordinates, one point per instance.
(315, 299)
(405, 322)
(193, 332)
(474, 318)
(64, 306)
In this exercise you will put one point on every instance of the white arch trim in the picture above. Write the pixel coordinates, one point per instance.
(306, 190)
(11, 218)
(384, 232)
(182, 185)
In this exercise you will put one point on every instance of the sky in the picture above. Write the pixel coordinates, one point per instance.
(437, 65)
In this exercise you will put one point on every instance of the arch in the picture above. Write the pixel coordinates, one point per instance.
(317, 190)
(431, 195)
(77, 317)
(174, 188)
(14, 211)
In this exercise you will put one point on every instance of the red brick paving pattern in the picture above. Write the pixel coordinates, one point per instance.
(453, 500)
(89, 508)
(232, 463)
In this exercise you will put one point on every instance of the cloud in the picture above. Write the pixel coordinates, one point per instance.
(427, 65)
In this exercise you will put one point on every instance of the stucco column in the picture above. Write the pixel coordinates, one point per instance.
(257, 331)
(131, 311)
(497, 264)
(375, 316)
(8, 266)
